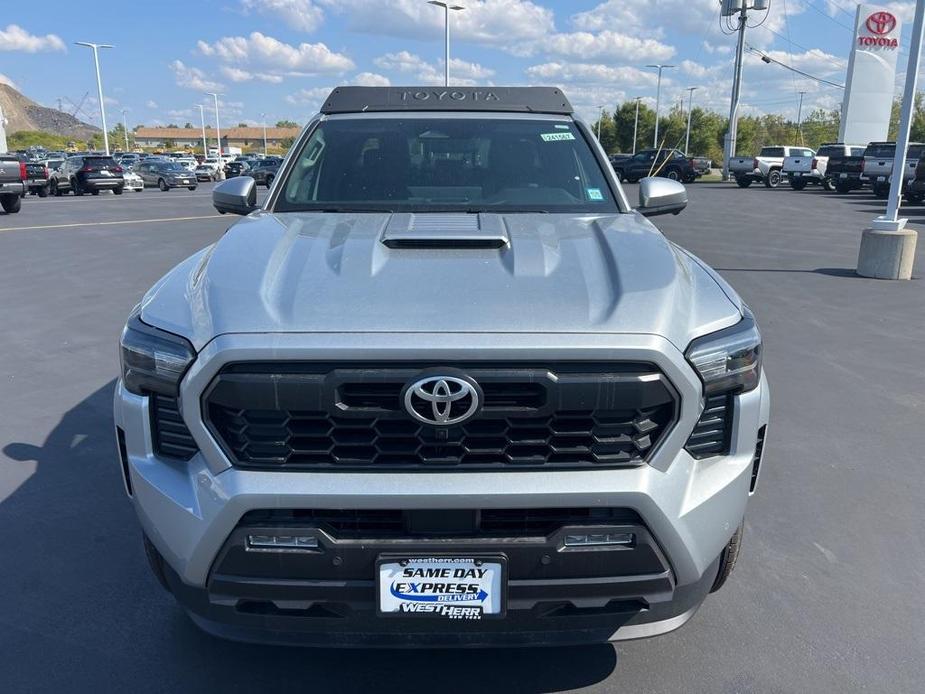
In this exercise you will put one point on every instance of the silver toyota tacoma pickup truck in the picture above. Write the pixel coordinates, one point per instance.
(445, 386)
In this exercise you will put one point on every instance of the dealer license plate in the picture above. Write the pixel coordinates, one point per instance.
(441, 587)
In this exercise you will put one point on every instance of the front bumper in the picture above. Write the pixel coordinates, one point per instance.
(192, 509)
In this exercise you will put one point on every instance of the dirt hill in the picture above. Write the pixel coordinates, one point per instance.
(24, 114)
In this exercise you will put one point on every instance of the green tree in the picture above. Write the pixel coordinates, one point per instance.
(188, 125)
(286, 124)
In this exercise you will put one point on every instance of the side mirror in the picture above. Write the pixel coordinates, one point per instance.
(661, 196)
(236, 195)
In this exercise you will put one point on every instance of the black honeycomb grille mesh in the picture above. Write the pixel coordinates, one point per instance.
(531, 418)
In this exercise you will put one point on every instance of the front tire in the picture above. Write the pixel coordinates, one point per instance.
(76, 188)
(673, 175)
(727, 560)
(11, 203)
(117, 191)
(55, 190)
(162, 184)
(827, 185)
(43, 191)
(772, 180)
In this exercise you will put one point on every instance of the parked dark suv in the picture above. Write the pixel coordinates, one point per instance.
(236, 168)
(87, 173)
(670, 163)
(265, 171)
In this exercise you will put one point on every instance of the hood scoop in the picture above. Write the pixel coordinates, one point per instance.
(440, 230)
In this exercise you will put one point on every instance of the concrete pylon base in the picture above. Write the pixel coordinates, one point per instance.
(887, 255)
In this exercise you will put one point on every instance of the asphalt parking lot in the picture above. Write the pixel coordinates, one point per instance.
(826, 596)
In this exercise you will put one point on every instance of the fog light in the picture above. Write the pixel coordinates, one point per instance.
(282, 543)
(598, 539)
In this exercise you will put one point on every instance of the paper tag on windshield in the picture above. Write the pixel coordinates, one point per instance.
(552, 137)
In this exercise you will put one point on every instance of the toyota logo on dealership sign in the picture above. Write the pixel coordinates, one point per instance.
(879, 24)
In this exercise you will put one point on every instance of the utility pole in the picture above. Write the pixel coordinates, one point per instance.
(446, 35)
(690, 109)
(636, 124)
(99, 85)
(202, 119)
(125, 128)
(600, 119)
(731, 8)
(658, 95)
(263, 117)
(800, 118)
(218, 135)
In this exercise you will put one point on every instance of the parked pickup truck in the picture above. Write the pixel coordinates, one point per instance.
(669, 163)
(845, 172)
(37, 177)
(12, 175)
(766, 166)
(473, 404)
(802, 171)
(702, 165)
(916, 189)
(878, 165)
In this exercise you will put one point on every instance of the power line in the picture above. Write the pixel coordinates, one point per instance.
(768, 59)
(811, 6)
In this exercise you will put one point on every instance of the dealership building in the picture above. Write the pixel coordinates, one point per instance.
(245, 138)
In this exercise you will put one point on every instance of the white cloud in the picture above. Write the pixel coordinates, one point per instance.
(462, 72)
(6, 80)
(590, 73)
(238, 75)
(501, 23)
(15, 38)
(313, 96)
(606, 44)
(370, 79)
(193, 78)
(301, 15)
(151, 103)
(261, 52)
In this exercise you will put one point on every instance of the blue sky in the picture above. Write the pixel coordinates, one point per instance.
(280, 57)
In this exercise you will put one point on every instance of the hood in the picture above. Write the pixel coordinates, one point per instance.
(539, 273)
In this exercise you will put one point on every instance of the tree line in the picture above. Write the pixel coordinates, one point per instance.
(709, 127)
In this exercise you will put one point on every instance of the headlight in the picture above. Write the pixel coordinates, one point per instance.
(152, 360)
(728, 360)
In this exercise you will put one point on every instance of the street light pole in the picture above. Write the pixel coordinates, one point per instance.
(636, 124)
(125, 128)
(600, 119)
(690, 108)
(263, 117)
(202, 119)
(658, 95)
(99, 85)
(218, 134)
(446, 34)
(800, 118)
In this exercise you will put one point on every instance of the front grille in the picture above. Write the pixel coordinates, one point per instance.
(496, 522)
(309, 416)
(713, 432)
(169, 432)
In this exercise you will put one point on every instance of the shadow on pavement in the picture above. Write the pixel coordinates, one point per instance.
(89, 616)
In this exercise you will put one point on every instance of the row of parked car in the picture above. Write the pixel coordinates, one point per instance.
(92, 173)
(835, 167)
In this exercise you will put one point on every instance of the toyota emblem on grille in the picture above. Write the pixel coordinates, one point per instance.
(442, 400)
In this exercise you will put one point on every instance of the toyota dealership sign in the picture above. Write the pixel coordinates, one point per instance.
(870, 84)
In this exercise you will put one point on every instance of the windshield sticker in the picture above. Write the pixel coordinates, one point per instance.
(553, 137)
(562, 127)
(595, 194)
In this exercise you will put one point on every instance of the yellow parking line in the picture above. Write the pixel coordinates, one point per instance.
(103, 224)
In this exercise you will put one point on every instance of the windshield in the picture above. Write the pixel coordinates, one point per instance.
(433, 164)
